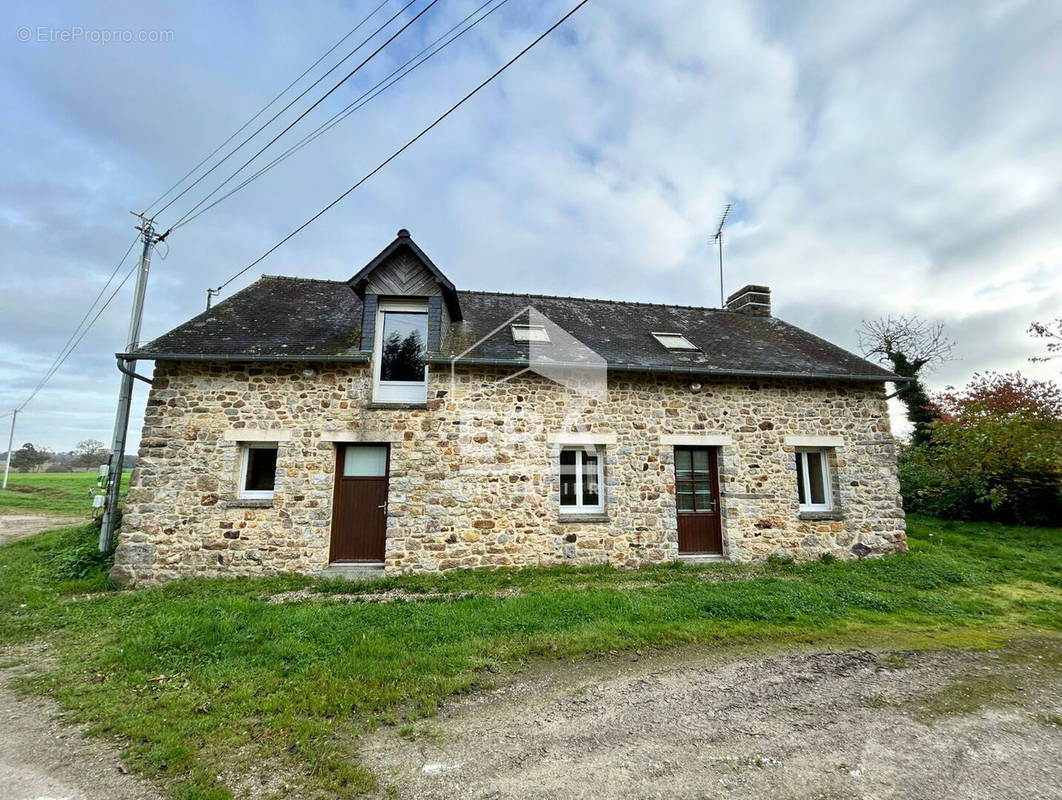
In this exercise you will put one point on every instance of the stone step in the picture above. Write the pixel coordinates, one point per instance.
(354, 572)
(701, 558)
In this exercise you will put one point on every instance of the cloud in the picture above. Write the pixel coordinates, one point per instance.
(892, 157)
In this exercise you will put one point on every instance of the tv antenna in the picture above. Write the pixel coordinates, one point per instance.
(719, 238)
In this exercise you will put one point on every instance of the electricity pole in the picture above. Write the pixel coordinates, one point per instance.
(125, 393)
(10, 442)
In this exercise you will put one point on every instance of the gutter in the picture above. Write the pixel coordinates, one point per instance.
(361, 357)
(736, 373)
(125, 367)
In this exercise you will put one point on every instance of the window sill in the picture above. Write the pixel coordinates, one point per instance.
(821, 515)
(249, 502)
(397, 406)
(596, 517)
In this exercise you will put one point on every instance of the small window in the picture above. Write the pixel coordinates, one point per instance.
(530, 333)
(258, 474)
(581, 480)
(675, 341)
(813, 480)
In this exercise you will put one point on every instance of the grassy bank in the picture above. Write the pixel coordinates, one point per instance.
(206, 677)
(65, 493)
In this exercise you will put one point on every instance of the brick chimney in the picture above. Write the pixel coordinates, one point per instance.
(752, 300)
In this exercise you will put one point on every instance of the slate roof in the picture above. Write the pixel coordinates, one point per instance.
(273, 318)
(279, 318)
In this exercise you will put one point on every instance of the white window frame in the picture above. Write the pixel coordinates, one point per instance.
(396, 391)
(687, 346)
(245, 461)
(527, 333)
(580, 451)
(827, 479)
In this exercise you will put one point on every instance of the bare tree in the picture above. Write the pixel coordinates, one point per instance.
(89, 453)
(909, 345)
(912, 339)
(1052, 331)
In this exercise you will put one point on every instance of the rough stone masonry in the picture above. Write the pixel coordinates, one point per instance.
(474, 481)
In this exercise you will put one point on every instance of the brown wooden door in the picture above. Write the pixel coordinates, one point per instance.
(697, 500)
(359, 509)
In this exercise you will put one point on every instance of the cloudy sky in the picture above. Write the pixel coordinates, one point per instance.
(882, 157)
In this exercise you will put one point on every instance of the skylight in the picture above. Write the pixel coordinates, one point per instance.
(675, 341)
(530, 333)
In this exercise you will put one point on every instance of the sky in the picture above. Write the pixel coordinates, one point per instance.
(886, 157)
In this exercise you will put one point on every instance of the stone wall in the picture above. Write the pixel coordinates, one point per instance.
(474, 478)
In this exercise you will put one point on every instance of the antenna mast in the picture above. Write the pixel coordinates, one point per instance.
(719, 238)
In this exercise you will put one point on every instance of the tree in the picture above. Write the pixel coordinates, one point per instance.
(909, 345)
(28, 458)
(89, 453)
(1052, 331)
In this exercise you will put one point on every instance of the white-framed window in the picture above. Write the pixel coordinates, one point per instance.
(675, 341)
(530, 333)
(582, 480)
(258, 470)
(399, 372)
(813, 479)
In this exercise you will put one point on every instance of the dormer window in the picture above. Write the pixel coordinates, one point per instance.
(675, 341)
(530, 333)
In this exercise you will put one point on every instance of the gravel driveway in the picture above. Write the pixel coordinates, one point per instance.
(685, 724)
(853, 724)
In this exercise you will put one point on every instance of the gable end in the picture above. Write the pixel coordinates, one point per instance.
(403, 270)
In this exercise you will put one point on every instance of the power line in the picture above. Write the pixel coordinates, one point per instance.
(302, 116)
(75, 338)
(73, 347)
(366, 97)
(406, 146)
(262, 110)
(67, 349)
(302, 94)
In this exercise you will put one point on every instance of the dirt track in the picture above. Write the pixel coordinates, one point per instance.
(43, 757)
(20, 526)
(851, 724)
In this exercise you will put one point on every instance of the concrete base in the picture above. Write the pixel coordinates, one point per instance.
(697, 558)
(354, 572)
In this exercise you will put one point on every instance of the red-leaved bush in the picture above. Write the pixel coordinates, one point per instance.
(994, 453)
(995, 394)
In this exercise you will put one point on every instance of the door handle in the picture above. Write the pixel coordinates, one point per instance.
(384, 507)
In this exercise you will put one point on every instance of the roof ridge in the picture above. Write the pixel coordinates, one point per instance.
(522, 294)
(300, 278)
(592, 300)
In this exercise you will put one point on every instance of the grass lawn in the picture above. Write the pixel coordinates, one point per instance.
(65, 493)
(203, 678)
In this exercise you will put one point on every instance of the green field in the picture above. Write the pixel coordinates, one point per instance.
(64, 493)
(205, 677)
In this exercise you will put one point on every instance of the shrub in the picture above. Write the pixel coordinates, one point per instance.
(995, 453)
(82, 559)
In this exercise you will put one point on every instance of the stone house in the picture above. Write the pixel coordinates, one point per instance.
(393, 423)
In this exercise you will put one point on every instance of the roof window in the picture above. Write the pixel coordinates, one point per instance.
(530, 333)
(674, 341)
